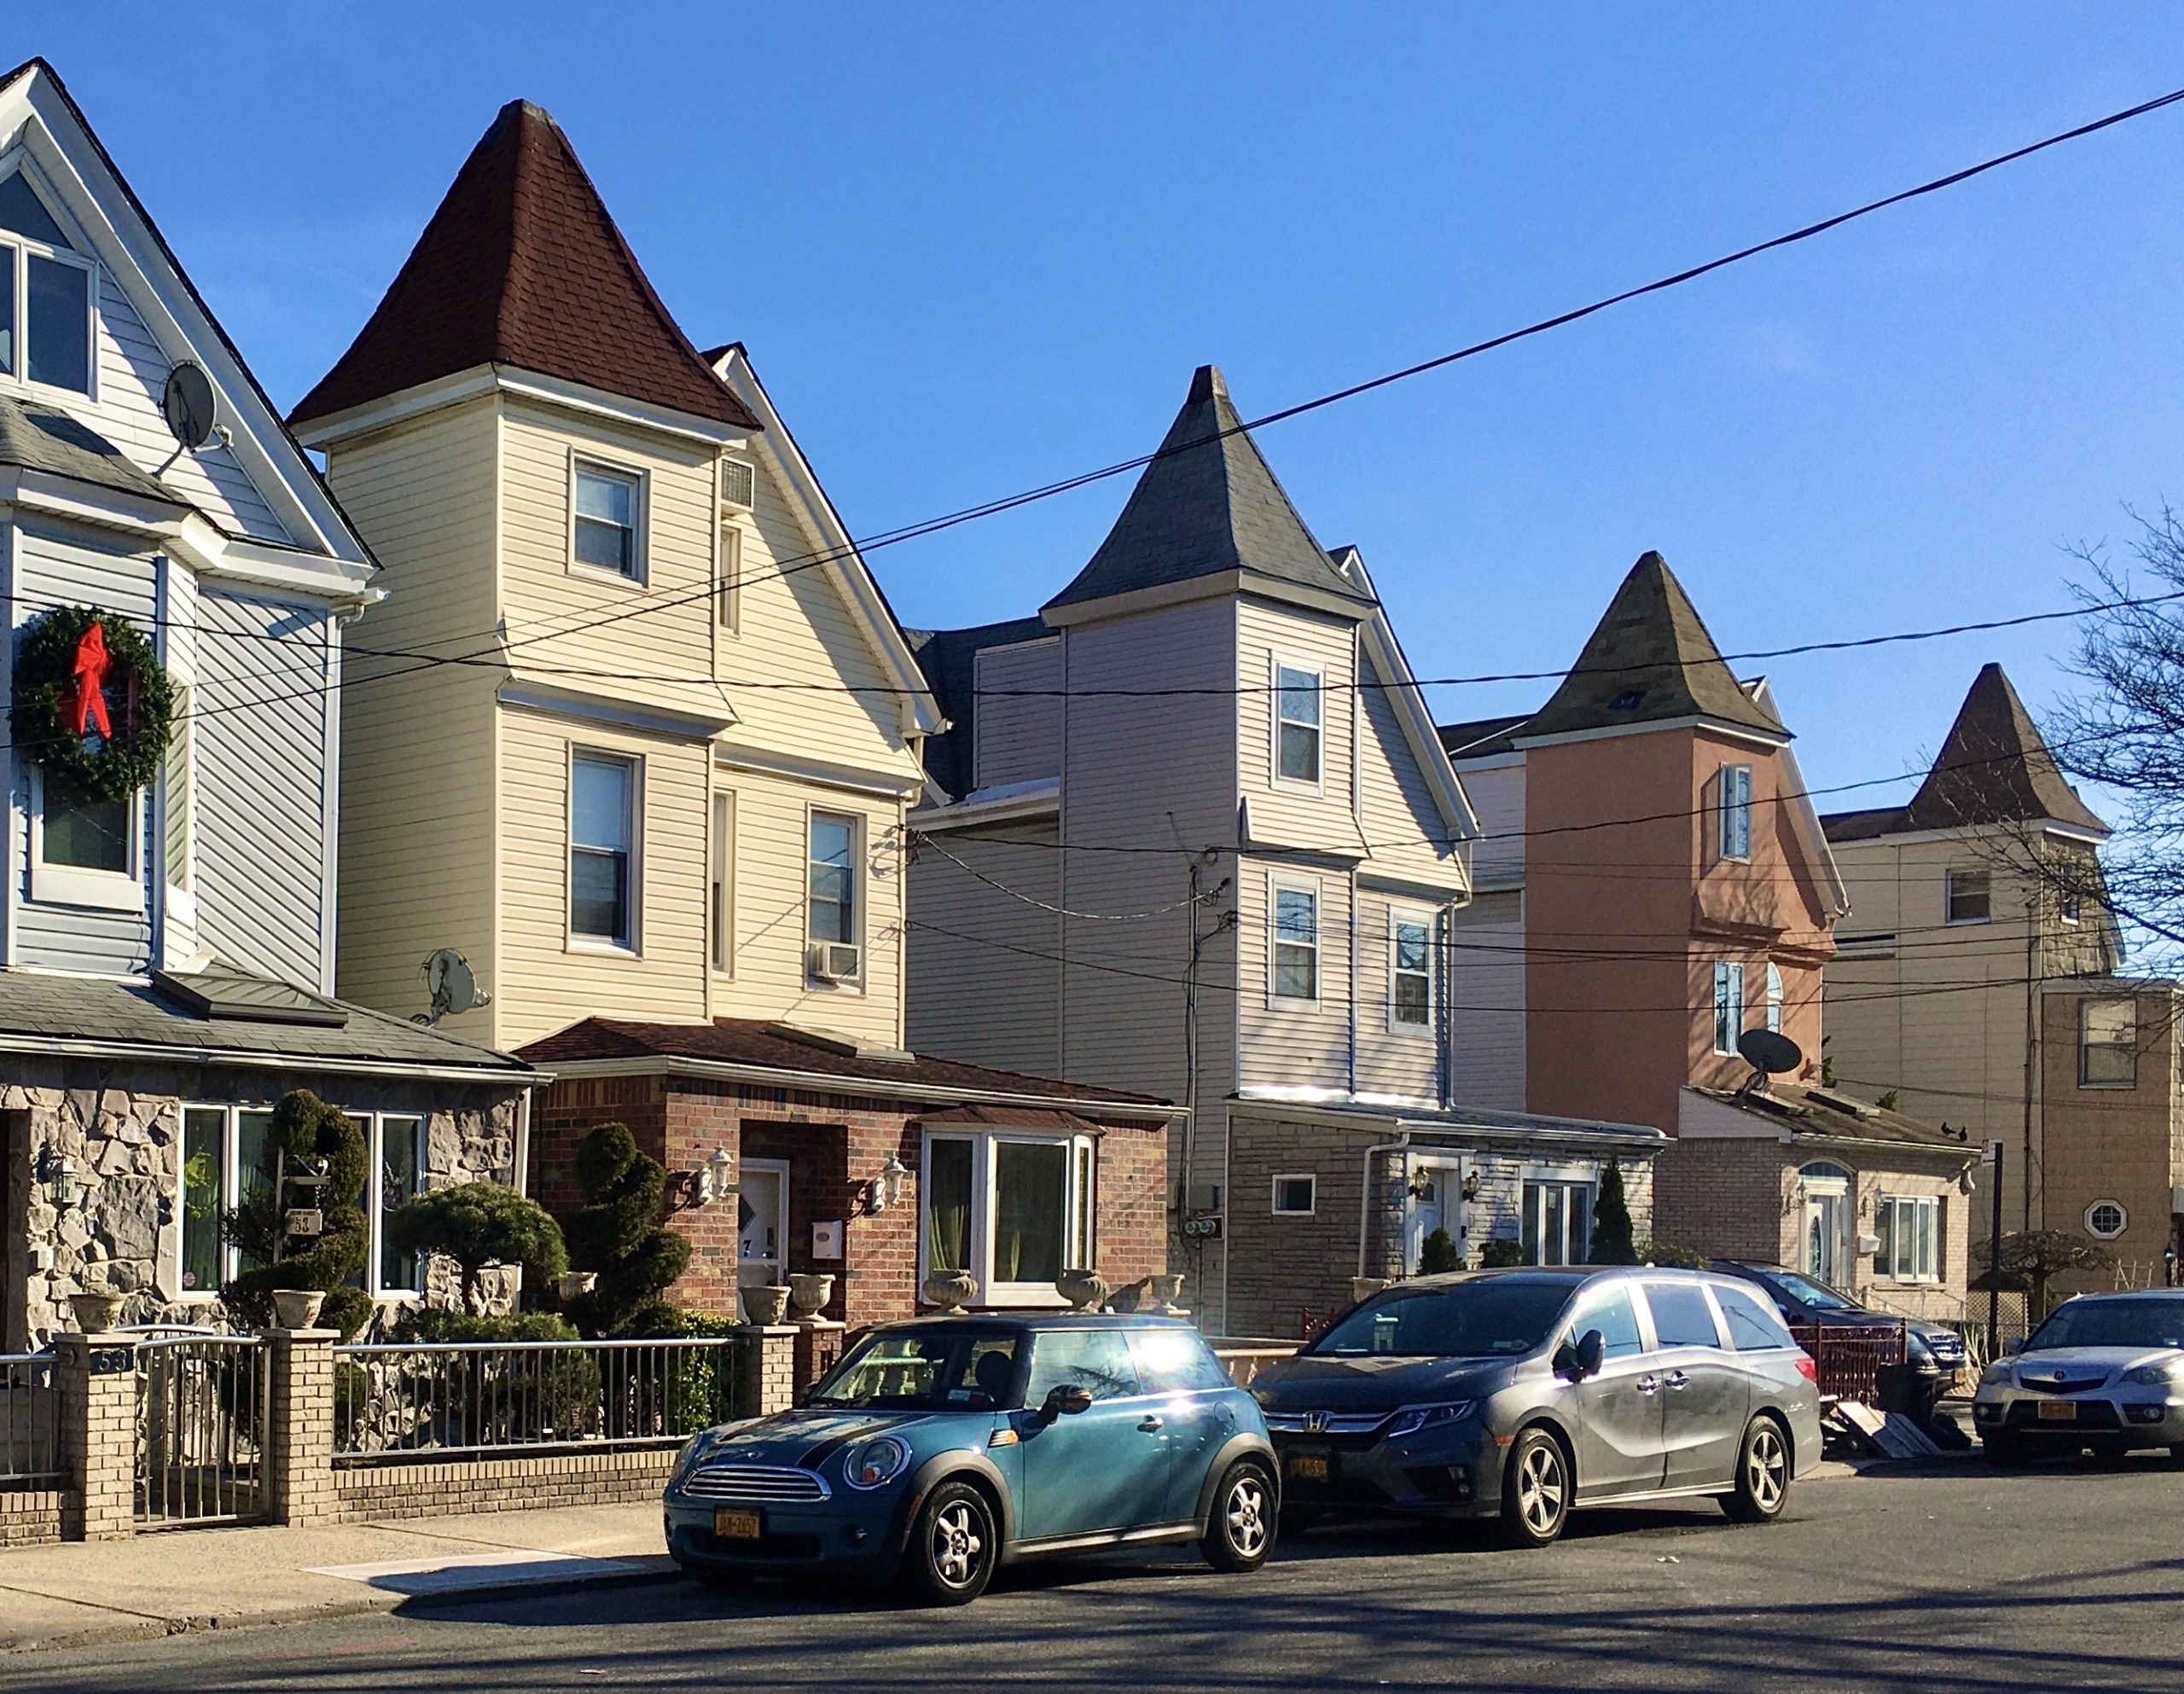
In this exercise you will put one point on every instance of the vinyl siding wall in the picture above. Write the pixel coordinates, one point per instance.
(986, 969)
(1486, 1037)
(1396, 1059)
(417, 814)
(1290, 1043)
(1019, 739)
(1402, 822)
(1288, 813)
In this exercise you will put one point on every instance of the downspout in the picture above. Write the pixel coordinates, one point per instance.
(1401, 1144)
(523, 1143)
(1352, 975)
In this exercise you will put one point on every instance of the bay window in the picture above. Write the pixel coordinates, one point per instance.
(86, 852)
(2108, 1043)
(1410, 973)
(1294, 943)
(1297, 692)
(1735, 837)
(1015, 1211)
(606, 520)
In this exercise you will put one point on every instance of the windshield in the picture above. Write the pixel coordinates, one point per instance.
(1471, 1320)
(958, 1368)
(2112, 1322)
(1817, 1295)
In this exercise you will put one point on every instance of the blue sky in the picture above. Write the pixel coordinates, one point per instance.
(976, 247)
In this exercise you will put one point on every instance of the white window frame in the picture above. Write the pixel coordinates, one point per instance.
(728, 580)
(1733, 838)
(2087, 1045)
(1399, 917)
(77, 884)
(1080, 1210)
(632, 947)
(1309, 1209)
(1278, 882)
(1773, 996)
(641, 509)
(228, 1187)
(372, 1127)
(720, 884)
(1317, 784)
(1897, 1208)
(860, 884)
(729, 502)
(1948, 895)
(24, 246)
(2122, 1213)
(1540, 1176)
(1727, 1005)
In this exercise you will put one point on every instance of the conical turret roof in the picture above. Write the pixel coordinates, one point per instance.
(1995, 767)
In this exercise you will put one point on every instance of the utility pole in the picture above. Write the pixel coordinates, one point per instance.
(1995, 1256)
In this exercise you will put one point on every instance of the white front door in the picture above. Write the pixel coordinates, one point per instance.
(762, 1210)
(1826, 1252)
(1433, 1190)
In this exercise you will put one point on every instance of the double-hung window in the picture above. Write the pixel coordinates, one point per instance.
(395, 1142)
(1294, 938)
(607, 520)
(1971, 897)
(1410, 973)
(1729, 1006)
(48, 294)
(1734, 841)
(1015, 1211)
(1297, 700)
(830, 908)
(1774, 997)
(2108, 1043)
(603, 810)
(1909, 1227)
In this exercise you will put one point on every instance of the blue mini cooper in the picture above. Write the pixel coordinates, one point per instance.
(939, 1450)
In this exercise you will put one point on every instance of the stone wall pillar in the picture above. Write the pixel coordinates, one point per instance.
(818, 1345)
(765, 1368)
(298, 1465)
(96, 1375)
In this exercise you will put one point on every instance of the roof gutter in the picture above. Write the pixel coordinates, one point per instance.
(520, 1075)
(771, 1077)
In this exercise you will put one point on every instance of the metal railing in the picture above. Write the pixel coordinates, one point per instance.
(1850, 1357)
(398, 1400)
(201, 1430)
(30, 1422)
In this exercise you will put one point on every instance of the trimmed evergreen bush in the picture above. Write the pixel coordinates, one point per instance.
(304, 1128)
(1438, 1252)
(1612, 1243)
(1502, 1256)
(618, 1236)
(477, 1225)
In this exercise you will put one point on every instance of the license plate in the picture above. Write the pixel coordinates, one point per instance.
(2058, 1411)
(737, 1526)
(1309, 1467)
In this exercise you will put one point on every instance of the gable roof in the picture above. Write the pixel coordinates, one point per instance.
(1650, 660)
(523, 265)
(949, 658)
(1207, 505)
(1482, 737)
(36, 438)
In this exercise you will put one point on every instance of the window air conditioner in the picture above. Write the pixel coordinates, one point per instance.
(835, 961)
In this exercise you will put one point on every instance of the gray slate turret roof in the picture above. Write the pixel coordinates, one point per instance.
(1205, 506)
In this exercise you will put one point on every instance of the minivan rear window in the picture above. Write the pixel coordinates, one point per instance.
(1471, 1320)
(1754, 1326)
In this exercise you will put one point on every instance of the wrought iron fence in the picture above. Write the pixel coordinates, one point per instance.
(1850, 1357)
(394, 1400)
(201, 1430)
(30, 1422)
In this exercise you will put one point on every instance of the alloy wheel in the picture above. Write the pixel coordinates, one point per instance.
(1540, 1489)
(958, 1544)
(1246, 1515)
(1766, 1469)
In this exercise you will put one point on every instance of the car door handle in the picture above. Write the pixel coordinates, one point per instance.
(1648, 1384)
(1150, 1425)
(1677, 1380)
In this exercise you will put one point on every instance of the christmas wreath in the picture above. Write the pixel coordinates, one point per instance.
(82, 673)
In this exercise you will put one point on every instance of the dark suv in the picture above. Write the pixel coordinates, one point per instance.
(1930, 1349)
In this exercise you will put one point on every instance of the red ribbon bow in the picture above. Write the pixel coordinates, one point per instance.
(85, 703)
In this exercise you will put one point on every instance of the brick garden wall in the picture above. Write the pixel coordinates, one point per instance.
(29, 1518)
(378, 1492)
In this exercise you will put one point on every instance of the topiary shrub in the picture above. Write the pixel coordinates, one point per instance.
(1612, 1243)
(619, 1236)
(1668, 1253)
(479, 1225)
(1437, 1253)
(1502, 1256)
(304, 1128)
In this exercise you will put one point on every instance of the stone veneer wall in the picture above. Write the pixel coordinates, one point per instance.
(121, 1126)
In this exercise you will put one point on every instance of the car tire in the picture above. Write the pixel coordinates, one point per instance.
(954, 1547)
(1535, 1490)
(1244, 1520)
(1762, 1479)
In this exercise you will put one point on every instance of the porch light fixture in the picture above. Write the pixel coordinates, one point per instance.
(887, 1188)
(710, 1179)
(1471, 1185)
(57, 1171)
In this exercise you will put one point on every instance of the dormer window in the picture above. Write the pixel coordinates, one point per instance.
(46, 295)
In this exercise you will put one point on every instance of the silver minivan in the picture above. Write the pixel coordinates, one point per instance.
(1520, 1395)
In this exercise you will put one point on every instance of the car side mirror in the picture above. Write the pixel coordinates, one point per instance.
(1065, 1399)
(1590, 1354)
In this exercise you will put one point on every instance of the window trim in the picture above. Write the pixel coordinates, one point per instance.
(640, 480)
(1895, 1207)
(372, 1125)
(1278, 882)
(1727, 848)
(859, 884)
(2123, 1212)
(1948, 895)
(228, 1189)
(1311, 1179)
(1774, 997)
(599, 945)
(1296, 785)
(2086, 1080)
(1428, 921)
(80, 885)
(985, 1170)
(18, 161)
(1728, 1009)
(728, 580)
(720, 882)
(1543, 1176)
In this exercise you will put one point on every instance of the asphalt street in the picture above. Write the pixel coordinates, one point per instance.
(1951, 1578)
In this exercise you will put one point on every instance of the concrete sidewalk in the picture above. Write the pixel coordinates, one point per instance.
(81, 1593)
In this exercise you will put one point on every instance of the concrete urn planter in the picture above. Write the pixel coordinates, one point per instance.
(97, 1310)
(1365, 1287)
(297, 1307)
(1165, 1289)
(950, 1290)
(809, 1292)
(765, 1305)
(1083, 1289)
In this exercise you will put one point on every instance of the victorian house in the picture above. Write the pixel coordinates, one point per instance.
(1653, 884)
(1191, 833)
(178, 581)
(634, 734)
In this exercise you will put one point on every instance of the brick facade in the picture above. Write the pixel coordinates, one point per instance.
(380, 1492)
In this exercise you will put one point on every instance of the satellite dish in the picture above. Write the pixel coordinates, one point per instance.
(1769, 1052)
(191, 412)
(454, 986)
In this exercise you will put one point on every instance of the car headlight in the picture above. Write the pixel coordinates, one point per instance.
(695, 1449)
(1997, 1375)
(875, 1463)
(2152, 1376)
(1413, 1418)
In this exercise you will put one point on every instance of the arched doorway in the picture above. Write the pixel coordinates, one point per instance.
(1825, 1205)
